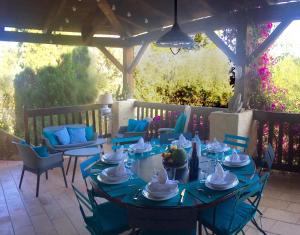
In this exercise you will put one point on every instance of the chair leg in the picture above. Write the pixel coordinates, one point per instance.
(74, 169)
(46, 175)
(21, 179)
(258, 227)
(37, 185)
(68, 166)
(64, 175)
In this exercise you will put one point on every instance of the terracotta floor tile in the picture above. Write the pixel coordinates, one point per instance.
(281, 215)
(286, 228)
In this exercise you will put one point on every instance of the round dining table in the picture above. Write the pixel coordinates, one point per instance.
(196, 193)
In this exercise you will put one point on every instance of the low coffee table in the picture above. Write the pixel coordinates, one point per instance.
(81, 152)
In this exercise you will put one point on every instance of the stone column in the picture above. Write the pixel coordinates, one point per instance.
(121, 112)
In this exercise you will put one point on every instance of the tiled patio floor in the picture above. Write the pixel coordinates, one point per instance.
(57, 212)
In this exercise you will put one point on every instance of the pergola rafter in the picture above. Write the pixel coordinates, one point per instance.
(53, 16)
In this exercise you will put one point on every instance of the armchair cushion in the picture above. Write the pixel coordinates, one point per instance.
(42, 151)
(63, 136)
(51, 137)
(89, 133)
(180, 123)
(137, 125)
(77, 135)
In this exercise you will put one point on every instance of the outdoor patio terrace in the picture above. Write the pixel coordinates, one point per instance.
(56, 210)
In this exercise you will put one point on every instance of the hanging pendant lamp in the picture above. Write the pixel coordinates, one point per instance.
(175, 38)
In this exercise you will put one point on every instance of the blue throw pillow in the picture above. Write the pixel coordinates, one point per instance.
(141, 126)
(51, 137)
(63, 136)
(89, 133)
(180, 123)
(77, 135)
(42, 151)
(131, 125)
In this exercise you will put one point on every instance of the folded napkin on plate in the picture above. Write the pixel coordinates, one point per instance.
(140, 144)
(117, 171)
(118, 155)
(161, 183)
(235, 156)
(182, 141)
(219, 176)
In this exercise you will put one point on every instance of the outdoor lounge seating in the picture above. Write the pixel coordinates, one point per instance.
(135, 128)
(54, 145)
(182, 122)
(38, 161)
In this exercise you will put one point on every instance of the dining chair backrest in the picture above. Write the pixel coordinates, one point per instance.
(250, 191)
(167, 138)
(236, 141)
(187, 112)
(86, 164)
(29, 156)
(269, 156)
(161, 218)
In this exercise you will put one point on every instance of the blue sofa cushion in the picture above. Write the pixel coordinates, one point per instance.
(141, 126)
(42, 151)
(51, 137)
(89, 133)
(180, 123)
(137, 125)
(77, 135)
(63, 136)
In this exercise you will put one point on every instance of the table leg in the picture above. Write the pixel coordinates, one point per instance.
(68, 165)
(74, 169)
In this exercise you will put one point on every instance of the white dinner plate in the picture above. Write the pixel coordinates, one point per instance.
(106, 181)
(230, 179)
(147, 148)
(148, 195)
(188, 144)
(240, 164)
(106, 158)
(230, 186)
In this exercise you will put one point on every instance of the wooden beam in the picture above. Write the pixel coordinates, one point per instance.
(54, 13)
(111, 58)
(110, 15)
(58, 39)
(269, 41)
(220, 44)
(154, 10)
(137, 26)
(128, 80)
(272, 13)
(137, 58)
(206, 4)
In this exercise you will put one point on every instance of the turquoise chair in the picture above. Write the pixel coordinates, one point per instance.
(85, 166)
(237, 141)
(231, 216)
(106, 219)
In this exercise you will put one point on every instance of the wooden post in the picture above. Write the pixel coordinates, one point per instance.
(128, 82)
(241, 54)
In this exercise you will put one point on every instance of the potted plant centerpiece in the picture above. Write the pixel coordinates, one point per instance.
(174, 157)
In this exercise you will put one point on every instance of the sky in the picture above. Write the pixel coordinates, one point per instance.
(288, 41)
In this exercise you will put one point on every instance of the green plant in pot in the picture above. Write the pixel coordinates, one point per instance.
(174, 157)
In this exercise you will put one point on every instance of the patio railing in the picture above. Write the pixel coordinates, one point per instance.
(283, 131)
(36, 119)
(168, 114)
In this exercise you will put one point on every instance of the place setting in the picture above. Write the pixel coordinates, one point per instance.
(114, 157)
(160, 188)
(236, 159)
(216, 147)
(182, 142)
(140, 147)
(114, 175)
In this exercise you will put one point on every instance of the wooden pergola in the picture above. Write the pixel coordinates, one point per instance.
(128, 23)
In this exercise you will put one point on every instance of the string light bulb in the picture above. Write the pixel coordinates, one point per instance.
(146, 21)
(74, 8)
(67, 20)
(113, 7)
(128, 14)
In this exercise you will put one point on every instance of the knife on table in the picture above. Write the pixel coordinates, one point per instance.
(182, 196)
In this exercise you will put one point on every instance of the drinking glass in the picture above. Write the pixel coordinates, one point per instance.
(206, 168)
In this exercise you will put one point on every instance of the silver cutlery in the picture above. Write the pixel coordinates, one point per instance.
(137, 194)
(182, 194)
(204, 192)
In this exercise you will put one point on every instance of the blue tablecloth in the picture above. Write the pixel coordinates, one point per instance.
(126, 191)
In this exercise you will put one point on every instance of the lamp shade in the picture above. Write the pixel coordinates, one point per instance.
(106, 99)
(176, 38)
